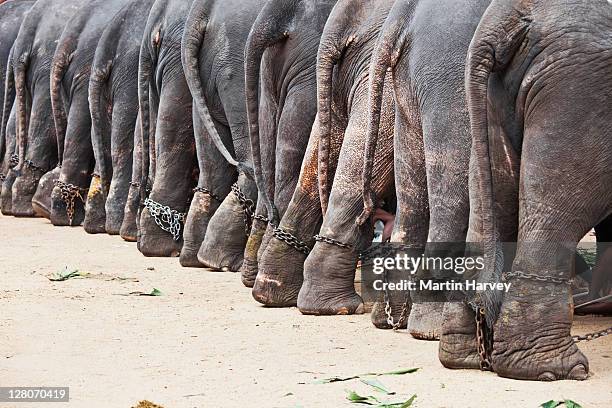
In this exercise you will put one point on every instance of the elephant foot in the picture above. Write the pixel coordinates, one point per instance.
(129, 230)
(425, 320)
(458, 347)
(316, 299)
(225, 239)
(532, 341)
(114, 219)
(22, 208)
(95, 214)
(280, 275)
(155, 242)
(189, 255)
(41, 202)
(329, 282)
(6, 193)
(40, 210)
(220, 259)
(248, 270)
(379, 315)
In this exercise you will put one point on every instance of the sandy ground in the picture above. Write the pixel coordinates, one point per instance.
(206, 343)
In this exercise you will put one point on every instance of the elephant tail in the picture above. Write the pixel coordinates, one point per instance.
(7, 103)
(271, 27)
(147, 125)
(334, 41)
(59, 66)
(389, 47)
(498, 36)
(21, 119)
(193, 37)
(100, 126)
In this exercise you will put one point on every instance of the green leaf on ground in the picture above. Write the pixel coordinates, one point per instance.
(66, 274)
(409, 402)
(553, 404)
(155, 292)
(377, 385)
(336, 379)
(353, 397)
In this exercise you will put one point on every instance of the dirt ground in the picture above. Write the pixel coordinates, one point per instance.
(206, 343)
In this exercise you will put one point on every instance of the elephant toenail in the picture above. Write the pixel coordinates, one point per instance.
(579, 372)
(547, 376)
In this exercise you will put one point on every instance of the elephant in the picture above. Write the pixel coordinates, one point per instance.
(218, 223)
(168, 162)
(329, 270)
(36, 139)
(70, 74)
(285, 38)
(11, 16)
(432, 140)
(113, 102)
(538, 81)
(321, 280)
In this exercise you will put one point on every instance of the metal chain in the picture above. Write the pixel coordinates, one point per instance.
(321, 238)
(31, 165)
(166, 218)
(14, 160)
(68, 192)
(404, 313)
(523, 275)
(248, 207)
(208, 192)
(261, 218)
(291, 240)
(2, 177)
(592, 336)
(484, 341)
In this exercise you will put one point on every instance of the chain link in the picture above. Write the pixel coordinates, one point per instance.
(2, 177)
(30, 164)
(208, 192)
(248, 207)
(592, 336)
(14, 160)
(68, 192)
(166, 218)
(484, 341)
(405, 307)
(327, 240)
(291, 240)
(261, 218)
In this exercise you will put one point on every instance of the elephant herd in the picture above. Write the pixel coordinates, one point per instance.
(268, 136)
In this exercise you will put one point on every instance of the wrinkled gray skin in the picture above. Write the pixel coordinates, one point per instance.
(36, 139)
(129, 226)
(552, 61)
(12, 14)
(285, 39)
(213, 44)
(70, 74)
(113, 100)
(169, 166)
(432, 136)
(326, 279)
